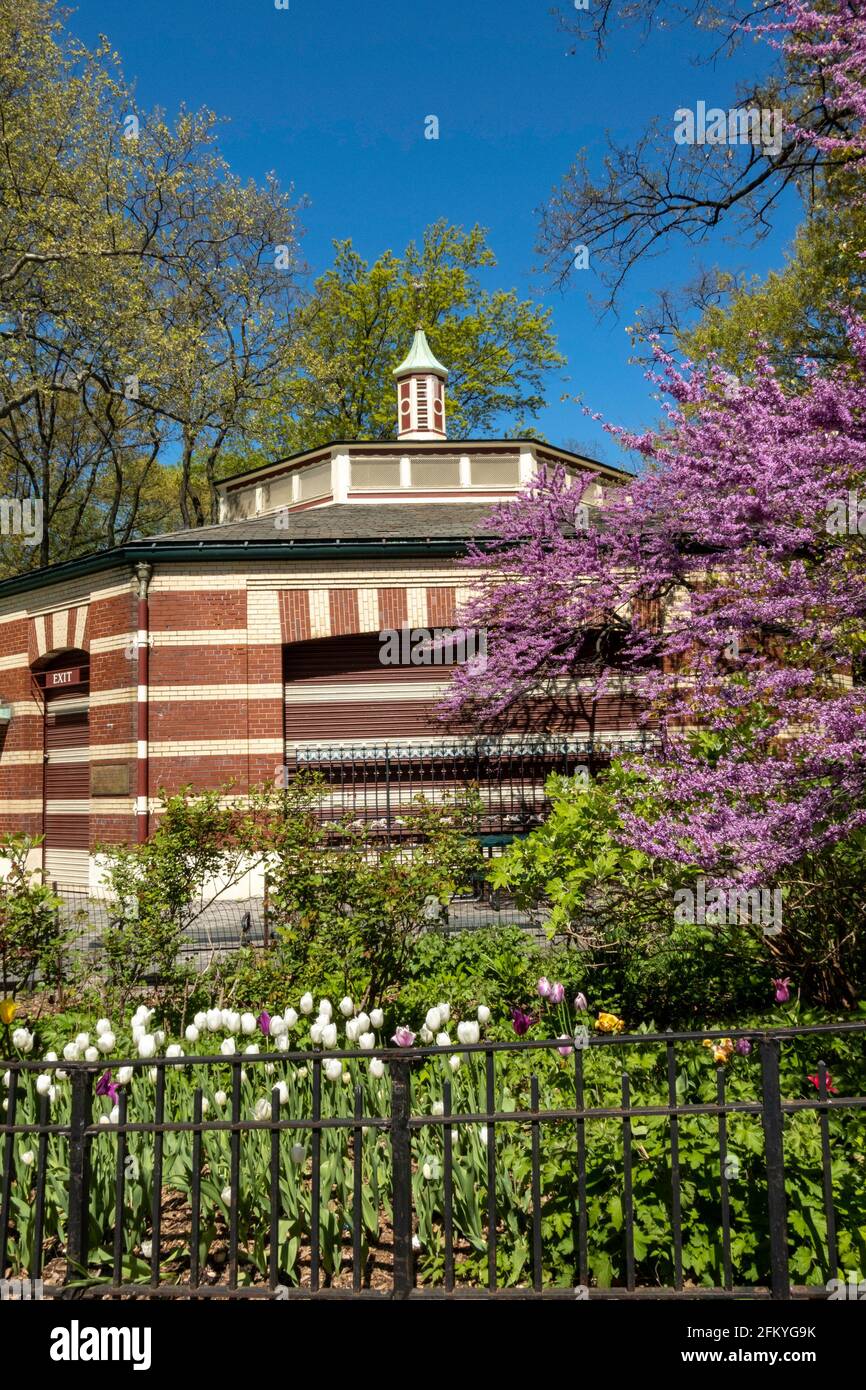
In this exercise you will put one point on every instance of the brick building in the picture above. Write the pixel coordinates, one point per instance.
(222, 653)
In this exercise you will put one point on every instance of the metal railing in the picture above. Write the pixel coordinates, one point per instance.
(375, 782)
(336, 1196)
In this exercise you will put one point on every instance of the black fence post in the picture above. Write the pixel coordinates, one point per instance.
(401, 1168)
(79, 1175)
(771, 1118)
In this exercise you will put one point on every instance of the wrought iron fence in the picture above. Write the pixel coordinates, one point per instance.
(374, 783)
(305, 1227)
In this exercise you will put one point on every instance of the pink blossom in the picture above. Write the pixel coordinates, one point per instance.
(404, 1037)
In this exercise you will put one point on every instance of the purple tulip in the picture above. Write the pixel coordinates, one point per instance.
(783, 994)
(404, 1037)
(743, 1046)
(542, 989)
(264, 1022)
(580, 1003)
(522, 1021)
(565, 1051)
(557, 993)
(106, 1087)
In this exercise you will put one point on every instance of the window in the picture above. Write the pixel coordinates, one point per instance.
(495, 472)
(376, 473)
(279, 494)
(433, 473)
(314, 482)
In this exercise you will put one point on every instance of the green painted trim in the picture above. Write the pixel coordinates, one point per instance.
(285, 551)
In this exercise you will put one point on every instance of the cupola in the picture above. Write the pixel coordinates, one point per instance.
(420, 392)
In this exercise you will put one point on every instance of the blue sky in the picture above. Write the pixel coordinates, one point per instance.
(333, 97)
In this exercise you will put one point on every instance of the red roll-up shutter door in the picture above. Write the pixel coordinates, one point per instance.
(67, 788)
(338, 690)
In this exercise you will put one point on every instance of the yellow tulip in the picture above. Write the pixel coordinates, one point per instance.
(8, 1010)
(609, 1023)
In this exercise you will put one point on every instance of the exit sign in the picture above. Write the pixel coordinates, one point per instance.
(71, 676)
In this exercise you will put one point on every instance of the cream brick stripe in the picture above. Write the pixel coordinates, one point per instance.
(215, 747)
(20, 757)
(194, 637)
(20, 806)
(368, 691)
(15, 661)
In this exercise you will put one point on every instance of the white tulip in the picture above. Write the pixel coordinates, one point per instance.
(468, 1031)
(51, 1057)
(82, 1040)
(232, 1021)
(159, 1037)
(367, 1041)
(290, 1018)
(103, 1025)
(363, 1022)
(416, 1243)
(226, 1195)
(445, 1011)
(443, 1040)
(425, 1035)
(152, 1073)
(262, 1110)
(377, 1018)
(106, 1042)
(427, 1171)
(347, 1008)
(298, 1153)
(43, 1083)
(174, 1050)
(329, 1035)
(248, 1024)
(437, 1108)
(91, 1054)
(282, 1091)
(191, 1033)
(114, 1115)
(61, 1076)
(482, 1134)
(306, 1005)
(326, 1007)
(28, 1157)
(226, 1020)
(483, 1013)
(276, 1027)
(269, 1068)
(22, 1040)
(228, 1047)
(125, 1075)
(251, 1050)
(220, 1097)
(200, 1022)
(352, 1030)
(283, 1042)
(333, 1069)
(214, 1020)
(377, 1068)
(433, 1020)
(7, 1077)
(138, 1031)
(104, 1120)
(205, 1105)
(71, 1052)
(146, 1045)
(454, 1062)
(316, 1034)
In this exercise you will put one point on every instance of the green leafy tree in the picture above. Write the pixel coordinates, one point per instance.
(31, 941)
(358, 324)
